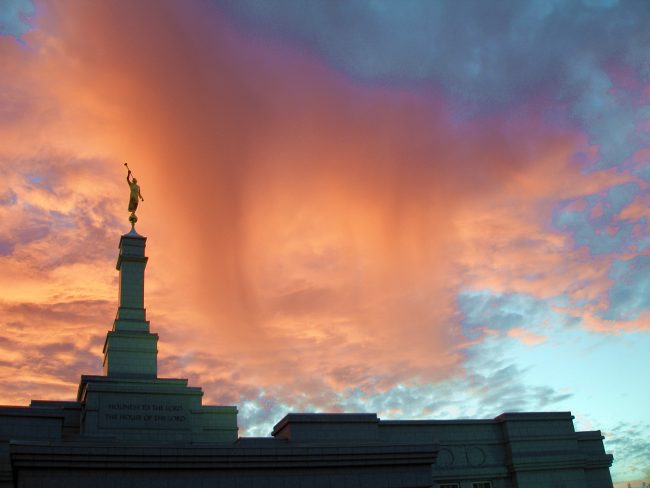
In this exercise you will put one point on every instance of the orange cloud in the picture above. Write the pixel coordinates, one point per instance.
(306, 233)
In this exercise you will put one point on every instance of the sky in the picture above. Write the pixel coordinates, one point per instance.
(420, 209)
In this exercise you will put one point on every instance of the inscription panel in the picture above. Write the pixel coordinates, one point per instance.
(143, 412)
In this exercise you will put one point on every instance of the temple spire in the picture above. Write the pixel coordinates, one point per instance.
(130, 349)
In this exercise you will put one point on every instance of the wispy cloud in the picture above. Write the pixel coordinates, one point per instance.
(630, 441)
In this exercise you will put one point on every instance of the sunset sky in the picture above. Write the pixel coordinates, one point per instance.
(424, 209)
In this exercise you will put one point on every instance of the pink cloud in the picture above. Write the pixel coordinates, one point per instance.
(526, 337)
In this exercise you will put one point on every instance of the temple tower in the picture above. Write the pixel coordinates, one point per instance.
(130, 349)
(130, 402)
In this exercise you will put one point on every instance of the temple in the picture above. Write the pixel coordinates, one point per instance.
(130, 428)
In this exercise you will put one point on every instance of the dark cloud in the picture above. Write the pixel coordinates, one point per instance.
(598, 225)
(487, 50)
(500, 312)
(14, 17)
(629, 296)
(486, 55)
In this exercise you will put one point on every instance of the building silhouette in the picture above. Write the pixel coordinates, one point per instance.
(130, 428)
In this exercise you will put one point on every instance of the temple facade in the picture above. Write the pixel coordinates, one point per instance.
(130, 428)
